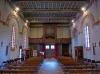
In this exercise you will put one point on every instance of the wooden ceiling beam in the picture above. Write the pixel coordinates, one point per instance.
(58, 24)
(49, 21)
(49, 0)
(50, 17)
(50, 10)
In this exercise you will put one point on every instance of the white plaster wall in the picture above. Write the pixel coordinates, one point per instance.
(96, 39)
(5, 39)
(94, 33)
(5, 33)
(25, 37)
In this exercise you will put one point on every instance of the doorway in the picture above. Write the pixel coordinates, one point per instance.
(79, 53)
(49, 50)
(65, 49)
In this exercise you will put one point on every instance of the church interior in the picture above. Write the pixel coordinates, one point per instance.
(49, 37)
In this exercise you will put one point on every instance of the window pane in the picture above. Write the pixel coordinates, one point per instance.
(47, 47)
(52, 47)
(86, 33)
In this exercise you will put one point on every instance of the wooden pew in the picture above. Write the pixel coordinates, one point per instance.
(67, 61)
(9, 62)
(82, 71)
(79, 67)
(17, 71)
(34, 61)
(23, 67)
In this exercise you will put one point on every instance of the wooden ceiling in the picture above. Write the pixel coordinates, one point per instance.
(50, 11)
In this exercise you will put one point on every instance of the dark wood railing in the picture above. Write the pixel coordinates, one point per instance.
(57, 40)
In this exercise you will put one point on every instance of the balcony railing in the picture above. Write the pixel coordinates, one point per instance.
(49, 40)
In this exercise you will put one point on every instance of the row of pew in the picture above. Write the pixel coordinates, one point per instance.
(15, 61)
(29, 66)
(70, 66)
(89, 61)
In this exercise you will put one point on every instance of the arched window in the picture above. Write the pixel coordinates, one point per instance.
(87, 36)
(13, 37)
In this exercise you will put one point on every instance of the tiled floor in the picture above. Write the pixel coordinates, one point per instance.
(50, 66)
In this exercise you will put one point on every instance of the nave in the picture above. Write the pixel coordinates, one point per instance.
(49, 36)
(38, 65)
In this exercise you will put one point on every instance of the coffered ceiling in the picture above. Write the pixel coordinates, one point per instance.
(50, 11)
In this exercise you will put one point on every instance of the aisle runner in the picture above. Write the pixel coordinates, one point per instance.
(50, 66)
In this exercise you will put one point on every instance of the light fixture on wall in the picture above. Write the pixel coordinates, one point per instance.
(85, 12)
(17, 9)
(72, 21)
(83, 9)
(26, 21)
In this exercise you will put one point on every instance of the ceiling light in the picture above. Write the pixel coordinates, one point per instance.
(17, 9)
(72, 21)
(83, 9)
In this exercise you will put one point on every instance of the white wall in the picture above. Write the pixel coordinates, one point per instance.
(25, 43)
(6, 31)
(94, 30)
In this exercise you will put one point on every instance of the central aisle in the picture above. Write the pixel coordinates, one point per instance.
(50, 66)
